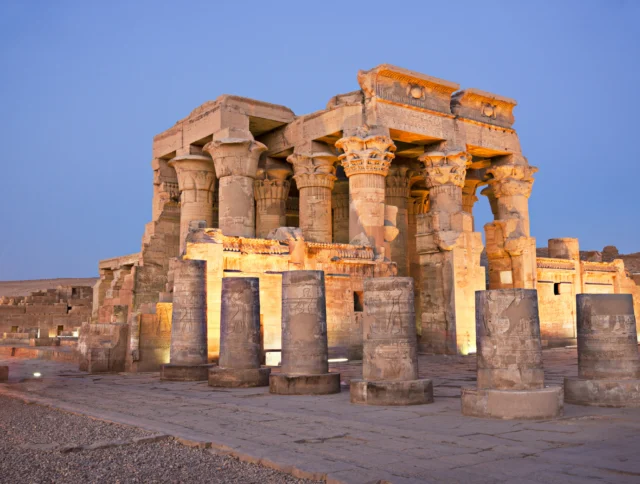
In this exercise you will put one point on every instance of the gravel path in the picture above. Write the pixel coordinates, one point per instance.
(43, 445)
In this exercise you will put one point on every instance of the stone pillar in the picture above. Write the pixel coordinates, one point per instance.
(608, 364)
(188, 353)
(397, 194)
(511, 251)
(340, 207)
(240, 349)
(366, 163)
(510, 373)
(469, 197)
(418, 205)
(236, 161)
(449, 253)
(314, 175)
(390, 353)
(196, 182)
(271, 189)
(305, 367)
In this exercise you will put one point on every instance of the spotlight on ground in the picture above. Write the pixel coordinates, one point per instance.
(37, 374)
(338, 360)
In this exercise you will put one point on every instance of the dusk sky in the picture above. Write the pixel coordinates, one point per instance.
(84, 87)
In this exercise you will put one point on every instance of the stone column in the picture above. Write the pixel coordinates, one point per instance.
(418, 205)
(469, 197)
(236, 163)
(314, 175)
(390, 353)
(511, 251)
(449, 253)
(305, 367)
(188, 353)
(240, 349)
(397, 194)
(271, 189)
(366, 163)
(196, 182)
(340, 207)
(608, 364)
(510, 373)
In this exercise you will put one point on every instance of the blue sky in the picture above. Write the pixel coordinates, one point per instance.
(84, 86)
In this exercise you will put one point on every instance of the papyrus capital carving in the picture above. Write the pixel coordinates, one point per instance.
(509, 180)
(369, 155)
(445, 167)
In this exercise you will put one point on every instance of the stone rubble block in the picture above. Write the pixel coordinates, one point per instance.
(305, 353)
(240, 349)
(390, 362)
(4, 373)
(608, 362)
(510, 372)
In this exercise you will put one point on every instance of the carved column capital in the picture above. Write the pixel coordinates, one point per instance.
(195, 174)
(271, 189)
(235, 156)
(509, 180)
(313, 170)
(398, 182)
(445, 167)
(368, 155)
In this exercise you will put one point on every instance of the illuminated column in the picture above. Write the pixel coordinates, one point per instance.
(271, 189)
(188, 355)
(315, 175)
(418, 205)
(236, 164)
(449, 253)
(196, 182)
(366, 163)
(511, 251)
(397, 194)
(340, 207)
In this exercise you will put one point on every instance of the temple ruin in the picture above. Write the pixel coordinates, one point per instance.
(381, 183)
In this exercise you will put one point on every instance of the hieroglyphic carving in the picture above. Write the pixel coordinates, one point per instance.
(390, 346)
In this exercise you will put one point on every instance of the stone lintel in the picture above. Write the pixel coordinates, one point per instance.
(484, 107)
(391, 84)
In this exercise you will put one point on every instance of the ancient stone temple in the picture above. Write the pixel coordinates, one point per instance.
(380, 183)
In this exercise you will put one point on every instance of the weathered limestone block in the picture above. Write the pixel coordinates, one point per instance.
(484, 107)
(235, 156)
(240, 349)
(510, 373)
(314, 174)
(366, 161)
(564, 248)
(188, 354)
(4, 374)
(102, 347)
(608, 362)
(449, 255)
(305, 367)
(196, 181)
(390, 354)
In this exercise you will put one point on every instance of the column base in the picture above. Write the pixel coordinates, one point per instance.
(184, 372)
(233, 378)
(323, 384)
(513, 404)
(410, 392)
(602, 393)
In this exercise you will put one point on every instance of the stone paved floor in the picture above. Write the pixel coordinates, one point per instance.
(328, 436)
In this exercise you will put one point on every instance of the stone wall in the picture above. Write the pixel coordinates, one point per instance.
(47, 314)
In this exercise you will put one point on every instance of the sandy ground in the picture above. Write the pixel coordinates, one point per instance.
(24, 288)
